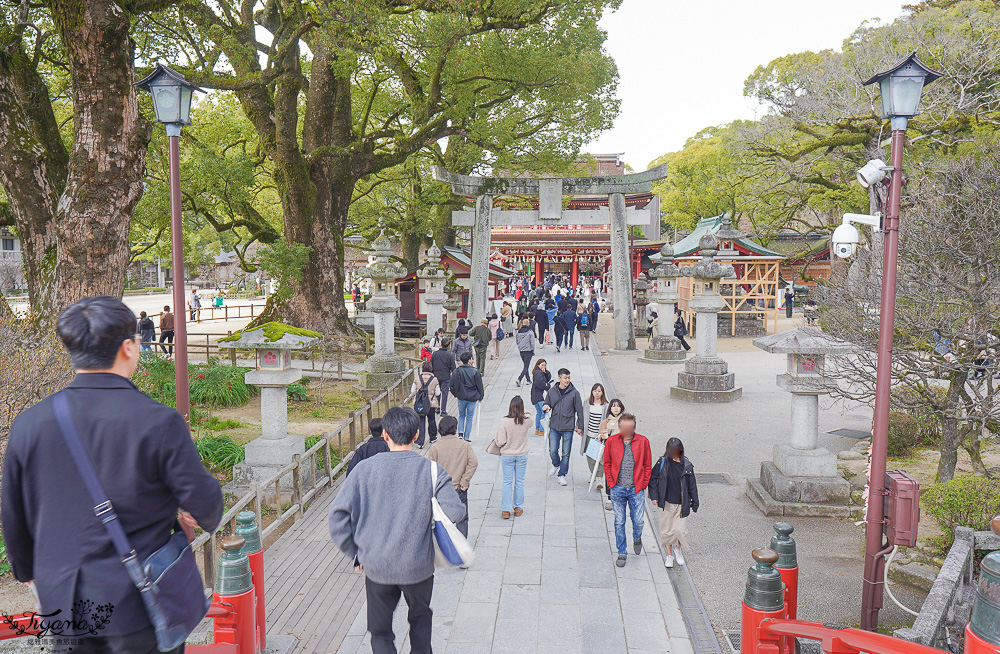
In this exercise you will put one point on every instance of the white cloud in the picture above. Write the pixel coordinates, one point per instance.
(682, 64)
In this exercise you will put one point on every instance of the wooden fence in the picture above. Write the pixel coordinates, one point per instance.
(348, 435)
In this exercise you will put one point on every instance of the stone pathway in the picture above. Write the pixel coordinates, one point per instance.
(544, 582)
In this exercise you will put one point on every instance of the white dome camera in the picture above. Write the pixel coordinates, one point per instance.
(845, 240)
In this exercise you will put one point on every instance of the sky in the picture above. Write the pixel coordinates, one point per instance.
(682, 64)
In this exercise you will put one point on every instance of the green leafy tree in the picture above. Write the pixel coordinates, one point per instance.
(343, 91)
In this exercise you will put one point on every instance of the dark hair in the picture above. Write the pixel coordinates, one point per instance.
(625, 416)
(463, 329)
(93, 329)
(465, 357)
(448, 425)
(604, 395)
(142, 314)
(439, 330)
(461, 322)
(676, 445)
(537, 363)
(619, 403)
(166, 308)
(427, 367)
(516, 410)
(445, 342)
(375, 427)
(563, 371)
(402, 425)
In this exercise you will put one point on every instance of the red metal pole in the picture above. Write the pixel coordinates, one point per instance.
(574, 272)
(871, 594)
(177, 254)
(539, 272)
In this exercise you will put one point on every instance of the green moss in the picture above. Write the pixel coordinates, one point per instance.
(273, 331)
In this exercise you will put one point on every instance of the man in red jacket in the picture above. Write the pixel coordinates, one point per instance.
(627, 464)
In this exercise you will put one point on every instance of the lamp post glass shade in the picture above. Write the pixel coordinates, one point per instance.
(901, 86)
(171, 95)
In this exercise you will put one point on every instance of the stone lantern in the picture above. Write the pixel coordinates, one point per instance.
(383, 367)
(665, 347)
(272, 344)
(706, 377)
(435, 277)
(641, 299)
(802, 479)
(454, 302)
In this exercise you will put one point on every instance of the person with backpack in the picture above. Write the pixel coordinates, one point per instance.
(481, 337)
(583, 326)
(467, 387)
(497, 334)
(595, 310)
(426, 390)
(680, 329)
(525, 339)
(147, 332)
(674, 489)
(442, 364)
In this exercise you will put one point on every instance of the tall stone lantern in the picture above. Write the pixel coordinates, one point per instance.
(272, 344)
(706, 377)
(383, 367)
(665, 347)
(435, 276)
(454, 302)
(640, 299)
(802, 479)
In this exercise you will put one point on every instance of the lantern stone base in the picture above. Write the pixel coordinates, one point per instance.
(818, 496)
(265, 457)
(664, 349)
(379, 373)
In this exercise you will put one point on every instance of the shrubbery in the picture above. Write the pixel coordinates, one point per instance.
(211, 384)
(220, 453)
(907, 432)
(968, 501)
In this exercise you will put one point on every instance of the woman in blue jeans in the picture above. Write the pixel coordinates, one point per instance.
(512, 439)
(541, 379)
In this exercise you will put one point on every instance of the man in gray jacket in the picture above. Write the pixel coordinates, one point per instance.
(565, 409)
(382, 517)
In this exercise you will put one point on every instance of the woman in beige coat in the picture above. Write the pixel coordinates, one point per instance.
(512, 439)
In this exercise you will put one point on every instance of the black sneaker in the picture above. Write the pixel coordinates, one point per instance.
(637, 546)
(621, 561)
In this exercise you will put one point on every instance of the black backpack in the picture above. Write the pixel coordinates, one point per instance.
(422, 401)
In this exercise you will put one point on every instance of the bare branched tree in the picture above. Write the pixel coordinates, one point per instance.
(947, 328)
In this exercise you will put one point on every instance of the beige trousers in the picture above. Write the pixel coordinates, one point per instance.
(584, 338)
(673, 528)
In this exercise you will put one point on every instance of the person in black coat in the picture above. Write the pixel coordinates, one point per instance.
(374, 445)
(541, 379)
(673, 488)
(443, 364)
(541, 317)
(144, 458)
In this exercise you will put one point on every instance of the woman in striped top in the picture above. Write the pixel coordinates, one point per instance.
(597, 407)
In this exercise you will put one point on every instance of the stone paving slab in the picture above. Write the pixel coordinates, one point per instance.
(544, 582)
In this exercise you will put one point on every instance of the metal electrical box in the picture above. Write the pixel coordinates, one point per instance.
(902, 508)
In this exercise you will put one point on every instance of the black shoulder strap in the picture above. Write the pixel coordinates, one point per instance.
(102, 505)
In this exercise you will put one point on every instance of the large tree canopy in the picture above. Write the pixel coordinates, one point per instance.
(344, 91)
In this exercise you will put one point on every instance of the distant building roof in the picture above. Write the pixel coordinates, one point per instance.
(463, 258)
(689, 244)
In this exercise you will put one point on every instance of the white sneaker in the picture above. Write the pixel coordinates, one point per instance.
(668, 562)
(562, 481)
(553, 470)
(678, 556)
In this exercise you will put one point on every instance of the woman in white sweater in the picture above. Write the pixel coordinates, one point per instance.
(512, 439)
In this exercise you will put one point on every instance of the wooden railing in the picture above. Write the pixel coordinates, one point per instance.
(350, 433)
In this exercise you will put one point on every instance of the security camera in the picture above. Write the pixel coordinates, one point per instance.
(845, 240)
(872, 172)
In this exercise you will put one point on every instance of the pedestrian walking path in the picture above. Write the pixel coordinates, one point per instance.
(544, 582)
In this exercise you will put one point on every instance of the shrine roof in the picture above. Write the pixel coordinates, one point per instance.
(461, 259)
(745, 246)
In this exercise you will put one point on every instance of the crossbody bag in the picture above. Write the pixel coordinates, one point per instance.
(168, 581)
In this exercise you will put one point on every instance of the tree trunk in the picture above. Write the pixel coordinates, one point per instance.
(951, 435)
(109, 151)
(33, 169)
